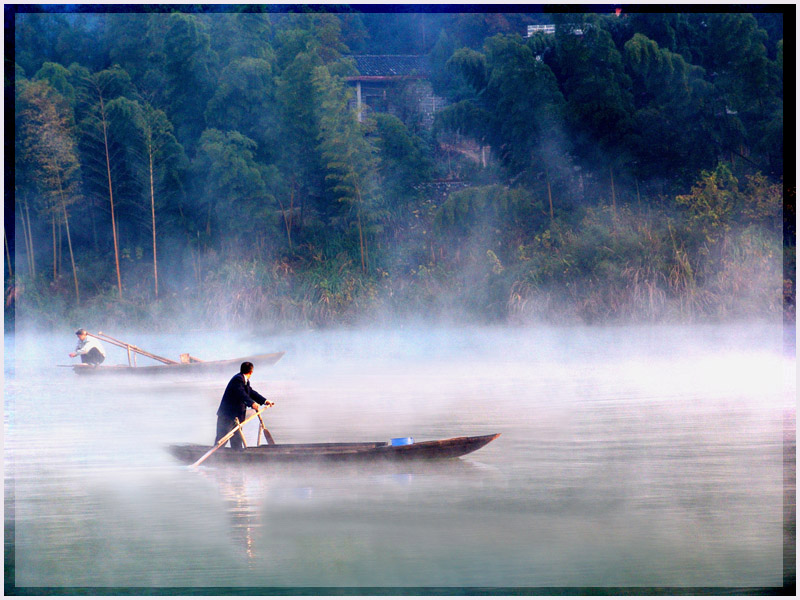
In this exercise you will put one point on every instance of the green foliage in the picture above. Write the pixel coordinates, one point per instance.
(404, 162)
(596, 87)
(350, 161)
(59, 79)
(244, 83)
(234, 189)
(718, 201)
(516, 106)
(274, 198)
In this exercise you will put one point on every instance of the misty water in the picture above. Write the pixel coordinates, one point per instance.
(629, 456)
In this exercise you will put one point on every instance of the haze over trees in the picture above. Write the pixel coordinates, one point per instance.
(169, 164)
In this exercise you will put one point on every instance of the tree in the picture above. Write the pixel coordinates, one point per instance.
(244, 101)
(592, 78)
(349, 157)
(237, 35)
(95, 92)
(153, 149)
(299, 162)
(517, 107)
(671, 132)
(233, 188)
(188, 65)
(404, 162)
(47, 138)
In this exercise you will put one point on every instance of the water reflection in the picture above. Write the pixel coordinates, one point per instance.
(254, 494)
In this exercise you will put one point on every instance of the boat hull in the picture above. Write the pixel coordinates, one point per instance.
(192, 368)
(336, 452)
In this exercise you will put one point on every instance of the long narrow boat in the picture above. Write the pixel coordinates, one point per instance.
(365, 451)
(259, 360)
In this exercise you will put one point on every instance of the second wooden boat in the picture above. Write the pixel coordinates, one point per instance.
(259, 360)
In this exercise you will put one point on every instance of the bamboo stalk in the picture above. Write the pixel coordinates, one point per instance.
(111, 195)
(71, 256)
(55, 256)
(27, 244)
(8, 253)
(30, 242)
(153, 215)
(69, 240)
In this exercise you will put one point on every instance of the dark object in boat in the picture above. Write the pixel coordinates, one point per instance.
(370, 451)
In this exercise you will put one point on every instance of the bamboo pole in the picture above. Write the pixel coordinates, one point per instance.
(228, 436)
(130, 347)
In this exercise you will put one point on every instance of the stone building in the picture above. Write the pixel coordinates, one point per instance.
(395, 84)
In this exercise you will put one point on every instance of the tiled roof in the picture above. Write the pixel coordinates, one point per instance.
(391, 65)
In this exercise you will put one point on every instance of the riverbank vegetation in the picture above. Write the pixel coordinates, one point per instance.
(174, 168)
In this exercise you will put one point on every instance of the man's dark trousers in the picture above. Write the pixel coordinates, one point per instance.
(224, 426)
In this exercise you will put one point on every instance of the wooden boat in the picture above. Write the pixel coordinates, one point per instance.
(259, 360)
(335, 452)
(188, 363)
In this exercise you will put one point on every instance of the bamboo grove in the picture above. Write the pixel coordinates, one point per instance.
(174, 165)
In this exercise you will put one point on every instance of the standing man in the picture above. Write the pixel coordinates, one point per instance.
(238, 397)
(89, 349)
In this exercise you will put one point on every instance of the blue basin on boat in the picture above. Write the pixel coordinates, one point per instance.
(402, 441)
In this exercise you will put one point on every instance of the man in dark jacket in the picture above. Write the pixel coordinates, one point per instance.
(238, 397)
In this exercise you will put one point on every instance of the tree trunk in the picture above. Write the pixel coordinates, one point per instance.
(25, 238)
(549, 195)
(8, 254)
(31, 256)
(613, 201)
(60, 245)
(638, 196)
(111, 195)
(287, 221)
(55, 247)
(153, 215)
(71, 256)
(362, 246)
(69, 242)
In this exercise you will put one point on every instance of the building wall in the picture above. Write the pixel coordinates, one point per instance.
(407, 100)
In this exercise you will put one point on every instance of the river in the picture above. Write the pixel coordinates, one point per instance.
(629, 457)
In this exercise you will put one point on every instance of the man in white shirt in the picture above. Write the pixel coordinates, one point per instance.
(89, 349)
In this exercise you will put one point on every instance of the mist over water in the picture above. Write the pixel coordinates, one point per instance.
(629, 456)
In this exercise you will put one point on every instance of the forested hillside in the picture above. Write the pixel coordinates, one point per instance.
(176, 168)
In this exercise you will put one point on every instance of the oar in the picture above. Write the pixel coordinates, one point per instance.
(241, 433)
(228, 436)
(267, 434)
